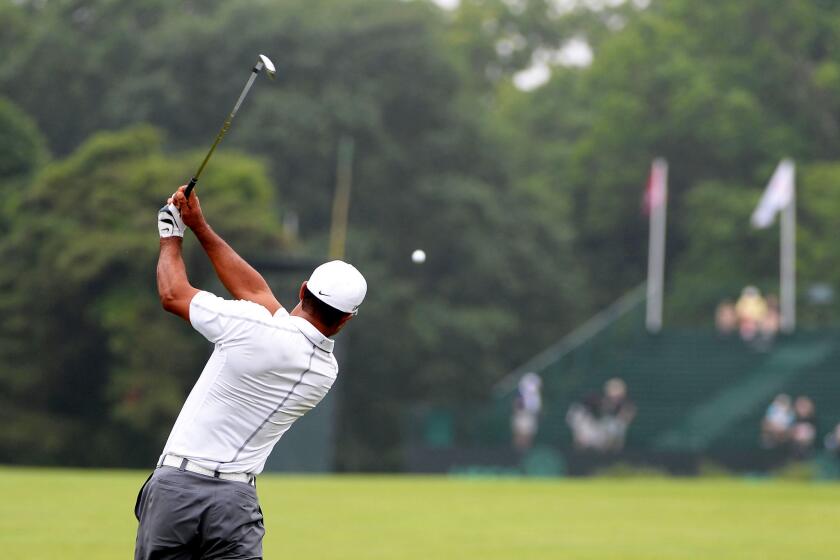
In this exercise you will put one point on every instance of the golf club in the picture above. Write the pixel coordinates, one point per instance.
(263, 62)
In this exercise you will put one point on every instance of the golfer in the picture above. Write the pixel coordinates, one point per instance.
(268, 368)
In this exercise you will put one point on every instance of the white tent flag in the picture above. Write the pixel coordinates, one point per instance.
(777, 196)
(780, 198)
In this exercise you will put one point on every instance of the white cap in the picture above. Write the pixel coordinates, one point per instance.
(339, 285)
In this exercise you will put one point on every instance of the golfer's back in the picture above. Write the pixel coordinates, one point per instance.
(265, 372)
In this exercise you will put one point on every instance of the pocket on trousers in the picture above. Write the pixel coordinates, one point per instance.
(167, 482)
(244, 494)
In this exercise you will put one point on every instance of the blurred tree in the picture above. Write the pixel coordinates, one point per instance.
(22, 147)
(527, 202)
(93, 372)
(724, 247)
(380, 72)
(722, 90)
(63, 69)
(496, 39)
(17, 25)
(22, 153)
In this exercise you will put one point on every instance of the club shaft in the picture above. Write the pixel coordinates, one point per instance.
(225, 127)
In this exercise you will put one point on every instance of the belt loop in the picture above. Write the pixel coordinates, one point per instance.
(183, 464)
(216, 473)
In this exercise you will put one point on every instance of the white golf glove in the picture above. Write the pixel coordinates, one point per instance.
(170, 223)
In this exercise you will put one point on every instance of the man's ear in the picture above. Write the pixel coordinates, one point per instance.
(343, 322)
(302, 291)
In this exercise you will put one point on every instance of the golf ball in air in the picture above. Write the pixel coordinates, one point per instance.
(418, 256)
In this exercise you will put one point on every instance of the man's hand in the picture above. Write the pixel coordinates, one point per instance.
(190, 208)
(170, 223)
(240, 278)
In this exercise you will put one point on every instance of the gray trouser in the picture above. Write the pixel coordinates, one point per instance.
(188, 516)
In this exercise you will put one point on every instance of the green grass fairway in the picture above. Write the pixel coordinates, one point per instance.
(61, 514)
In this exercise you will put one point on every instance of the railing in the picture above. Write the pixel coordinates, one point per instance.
(610, 322)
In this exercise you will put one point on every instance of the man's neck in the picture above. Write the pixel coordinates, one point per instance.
(299, 312)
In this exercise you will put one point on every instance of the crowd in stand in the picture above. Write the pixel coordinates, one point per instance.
(753, 317)
(791, 424)
(600, 421)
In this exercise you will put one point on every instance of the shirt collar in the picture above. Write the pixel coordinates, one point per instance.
(315, 336)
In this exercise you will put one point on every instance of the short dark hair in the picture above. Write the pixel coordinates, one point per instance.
(327, 314)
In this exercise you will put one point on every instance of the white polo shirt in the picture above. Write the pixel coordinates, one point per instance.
(265, 372)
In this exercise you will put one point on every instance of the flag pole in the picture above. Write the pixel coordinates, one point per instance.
(658, 205)
(780, 198)
(787, 280)
(341, 198)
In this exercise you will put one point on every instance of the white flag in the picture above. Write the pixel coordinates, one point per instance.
(777, 195)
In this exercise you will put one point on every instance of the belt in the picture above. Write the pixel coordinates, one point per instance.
(187, 465)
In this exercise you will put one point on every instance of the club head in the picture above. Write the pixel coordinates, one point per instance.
(269, 66)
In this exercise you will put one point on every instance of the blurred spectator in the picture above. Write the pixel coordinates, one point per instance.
(526, 411)
(726, 319)
(751, 310)
(617, 413)
(778, 420)
(832, 441)
(584, 420)
(770, 324)
(600, 422)
(757, 320)
(804, 429)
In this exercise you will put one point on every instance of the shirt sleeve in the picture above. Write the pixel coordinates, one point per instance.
(224, 320)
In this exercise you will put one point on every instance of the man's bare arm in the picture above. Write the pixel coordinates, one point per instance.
(238, 277)
(174, 288)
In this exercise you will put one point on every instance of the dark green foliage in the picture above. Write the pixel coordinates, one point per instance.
(427, 174)
(22, 147)
(723, 90)
(88, 355)
(528, 204)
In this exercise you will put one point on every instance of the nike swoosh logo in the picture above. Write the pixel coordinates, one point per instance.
(320, 293)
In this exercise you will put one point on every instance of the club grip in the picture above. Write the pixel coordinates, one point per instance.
(190, 187)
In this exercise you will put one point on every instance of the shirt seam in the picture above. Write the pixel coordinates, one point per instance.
(277, 408)
(244, 318)
(258, 321)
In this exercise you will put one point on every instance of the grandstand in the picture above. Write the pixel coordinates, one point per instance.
(700, 396)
